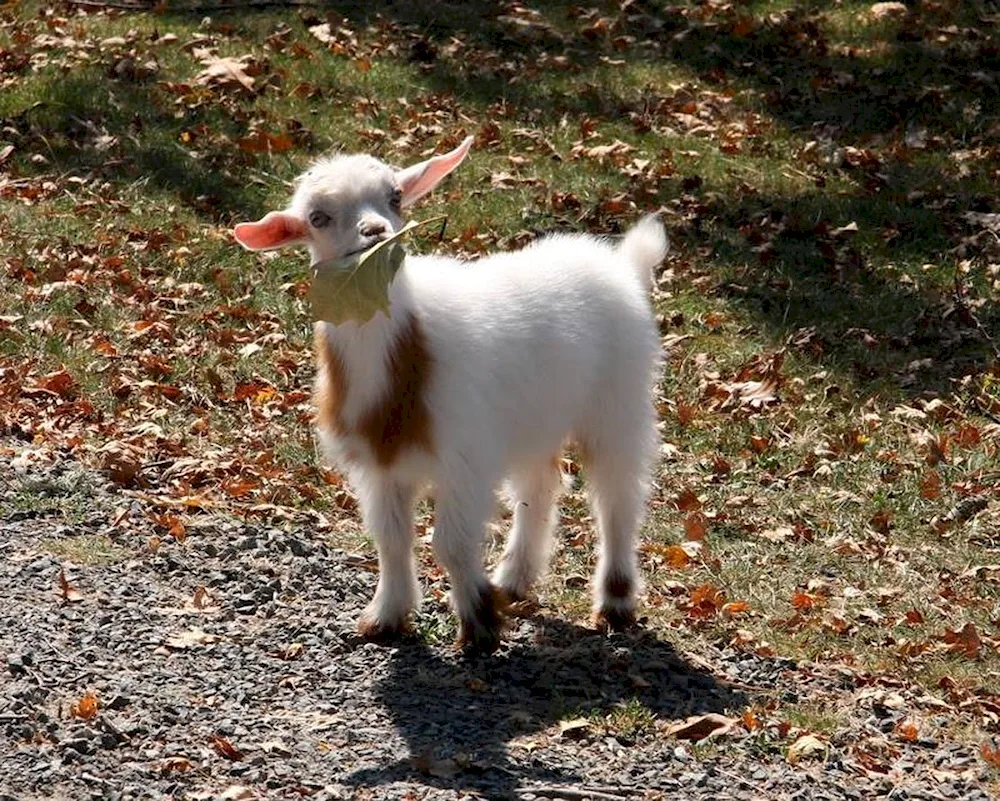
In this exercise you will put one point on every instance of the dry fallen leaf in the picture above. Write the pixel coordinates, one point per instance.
(291, 651)
(891, 9)
(638, 682)
(175, 764)
(779, 534)
(276, 747)
(756, 385)
(85, 708)
(574, 729)
(755, 394)
(190, 639)
(70, 594)
(990, 753)
(201, 598)
(744, 26)
(687, 501)
(965, 641)
(907, 730)
(987, 573)
(677, 556)
(808, 746)
(803, 601)
(686, 413)
(122, 464)
(226, 748)
(263, 142)
(225, 71)
(616, 150)
(734, 608)
(173, 524)
(700, 727)
(704, 601)
(237, 792)
(59, 383)
(446, 768)
(695, 527)
(930, 485)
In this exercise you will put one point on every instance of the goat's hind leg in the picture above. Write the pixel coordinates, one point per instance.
(388, 513)
(534, 492)
(618, 510)
(618, 477)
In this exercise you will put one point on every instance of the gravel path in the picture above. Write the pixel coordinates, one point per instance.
(256, 687)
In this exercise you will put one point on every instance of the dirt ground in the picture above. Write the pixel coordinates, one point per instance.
(226, 666)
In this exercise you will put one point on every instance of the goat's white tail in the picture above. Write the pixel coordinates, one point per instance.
(645, 246)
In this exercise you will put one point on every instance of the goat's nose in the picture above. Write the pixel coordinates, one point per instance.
(372, 227)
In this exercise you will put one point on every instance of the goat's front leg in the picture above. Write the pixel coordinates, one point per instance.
(458, 537)
(387, 508)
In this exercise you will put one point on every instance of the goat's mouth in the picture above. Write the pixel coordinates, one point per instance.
(365, 247)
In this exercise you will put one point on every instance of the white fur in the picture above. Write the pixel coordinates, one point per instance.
(529, 349)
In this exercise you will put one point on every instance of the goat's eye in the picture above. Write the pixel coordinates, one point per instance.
(319, 219)
(396, 198)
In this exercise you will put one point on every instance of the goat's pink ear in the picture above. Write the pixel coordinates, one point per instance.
(275, 230)
(418, 180)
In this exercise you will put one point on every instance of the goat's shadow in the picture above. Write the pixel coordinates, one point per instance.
(457, 716)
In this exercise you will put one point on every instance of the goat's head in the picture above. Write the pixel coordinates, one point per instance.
(345, 204)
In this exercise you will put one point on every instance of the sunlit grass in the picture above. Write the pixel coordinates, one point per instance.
(86, 549)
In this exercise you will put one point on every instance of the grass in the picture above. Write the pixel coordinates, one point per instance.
(67, 496)
(85, 549)
(436, 629)
(815, 167)
(814, 717)
(629, 721)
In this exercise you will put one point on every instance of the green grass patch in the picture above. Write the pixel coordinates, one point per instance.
(85, 549)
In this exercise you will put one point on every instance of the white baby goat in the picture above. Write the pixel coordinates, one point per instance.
(481, 372)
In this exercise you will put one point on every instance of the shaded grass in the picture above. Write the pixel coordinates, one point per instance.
(629, 721)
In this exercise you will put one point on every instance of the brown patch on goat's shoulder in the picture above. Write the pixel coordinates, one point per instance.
(331, 383)
(401, 420)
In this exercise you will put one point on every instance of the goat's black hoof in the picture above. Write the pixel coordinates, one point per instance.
(480, 634)
(612, 619)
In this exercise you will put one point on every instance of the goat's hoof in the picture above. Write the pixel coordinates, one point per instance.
(481, 633)
(523, 607)
(517, 596)
(509, 595)
(511, 582)
(518, 604)
(375, 630)
(615, 619)
(477, 641)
